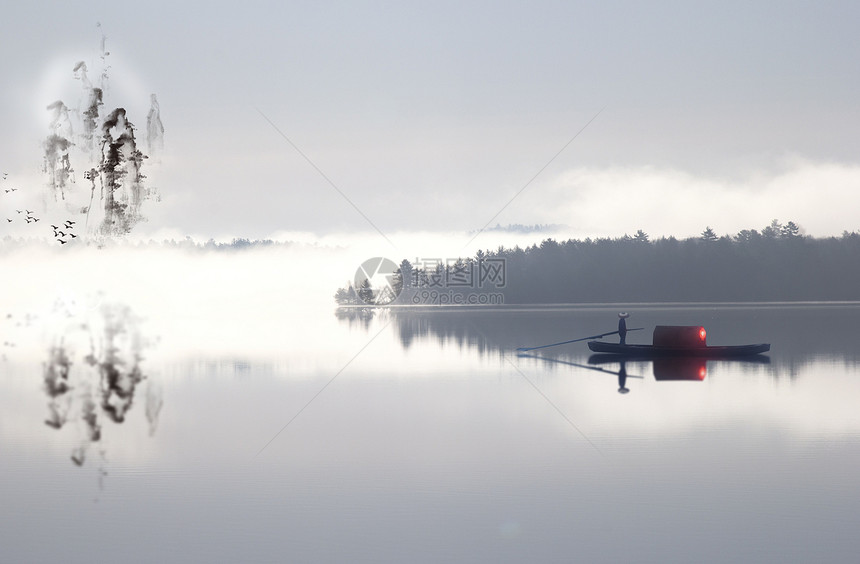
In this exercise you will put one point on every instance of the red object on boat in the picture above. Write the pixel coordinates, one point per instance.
(679, 336)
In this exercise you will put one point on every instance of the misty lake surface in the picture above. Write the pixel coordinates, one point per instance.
(421, 436)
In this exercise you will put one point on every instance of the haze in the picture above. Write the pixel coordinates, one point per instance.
(433, 118)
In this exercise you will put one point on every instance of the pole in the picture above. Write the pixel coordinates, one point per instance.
(575, 340)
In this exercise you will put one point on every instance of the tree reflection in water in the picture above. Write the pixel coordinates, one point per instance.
(93, 371)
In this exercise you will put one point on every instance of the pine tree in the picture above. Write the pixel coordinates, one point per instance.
(365, 292)
(709, 235)
(772, 231)
(790, 230)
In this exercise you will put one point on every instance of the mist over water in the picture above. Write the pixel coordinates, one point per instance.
(178, 383)
(260, 423)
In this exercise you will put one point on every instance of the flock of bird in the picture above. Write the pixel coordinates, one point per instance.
(7, 190)
(62, 234)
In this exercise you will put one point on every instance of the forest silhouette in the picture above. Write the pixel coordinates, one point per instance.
(777, 263)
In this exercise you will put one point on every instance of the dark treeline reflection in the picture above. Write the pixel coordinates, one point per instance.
(359, 316)
(798, 334)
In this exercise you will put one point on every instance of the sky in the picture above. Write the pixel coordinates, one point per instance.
(361, 118)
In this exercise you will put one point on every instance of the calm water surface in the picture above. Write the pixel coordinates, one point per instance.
(423, 437)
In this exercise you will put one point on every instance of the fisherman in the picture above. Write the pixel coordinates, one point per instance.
(622, 326)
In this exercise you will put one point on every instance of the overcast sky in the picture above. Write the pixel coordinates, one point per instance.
(431, 116)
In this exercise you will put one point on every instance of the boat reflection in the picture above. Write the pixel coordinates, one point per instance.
(673, 369)
(690, 369)
(621, 373)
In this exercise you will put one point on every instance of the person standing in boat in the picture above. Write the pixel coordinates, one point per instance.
(622, 326)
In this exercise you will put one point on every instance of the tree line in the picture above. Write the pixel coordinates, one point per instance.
(776, 263)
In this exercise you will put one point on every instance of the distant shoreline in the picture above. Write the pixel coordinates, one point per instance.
(603, 305)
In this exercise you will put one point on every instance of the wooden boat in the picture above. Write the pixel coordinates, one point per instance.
(650, 351)
(670, 340)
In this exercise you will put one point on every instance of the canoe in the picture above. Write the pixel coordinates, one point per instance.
(647, 351)
(608, 358)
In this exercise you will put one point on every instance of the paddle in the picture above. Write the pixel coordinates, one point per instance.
(575, 340)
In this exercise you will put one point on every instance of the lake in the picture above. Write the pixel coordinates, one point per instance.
(242, 432)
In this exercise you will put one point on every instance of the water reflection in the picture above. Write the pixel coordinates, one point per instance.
(684, 369)
(800, 334)
(93, 371)
(679, 369)
(621, 373)
(622, 379)
(498, 456)
(360, 316)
